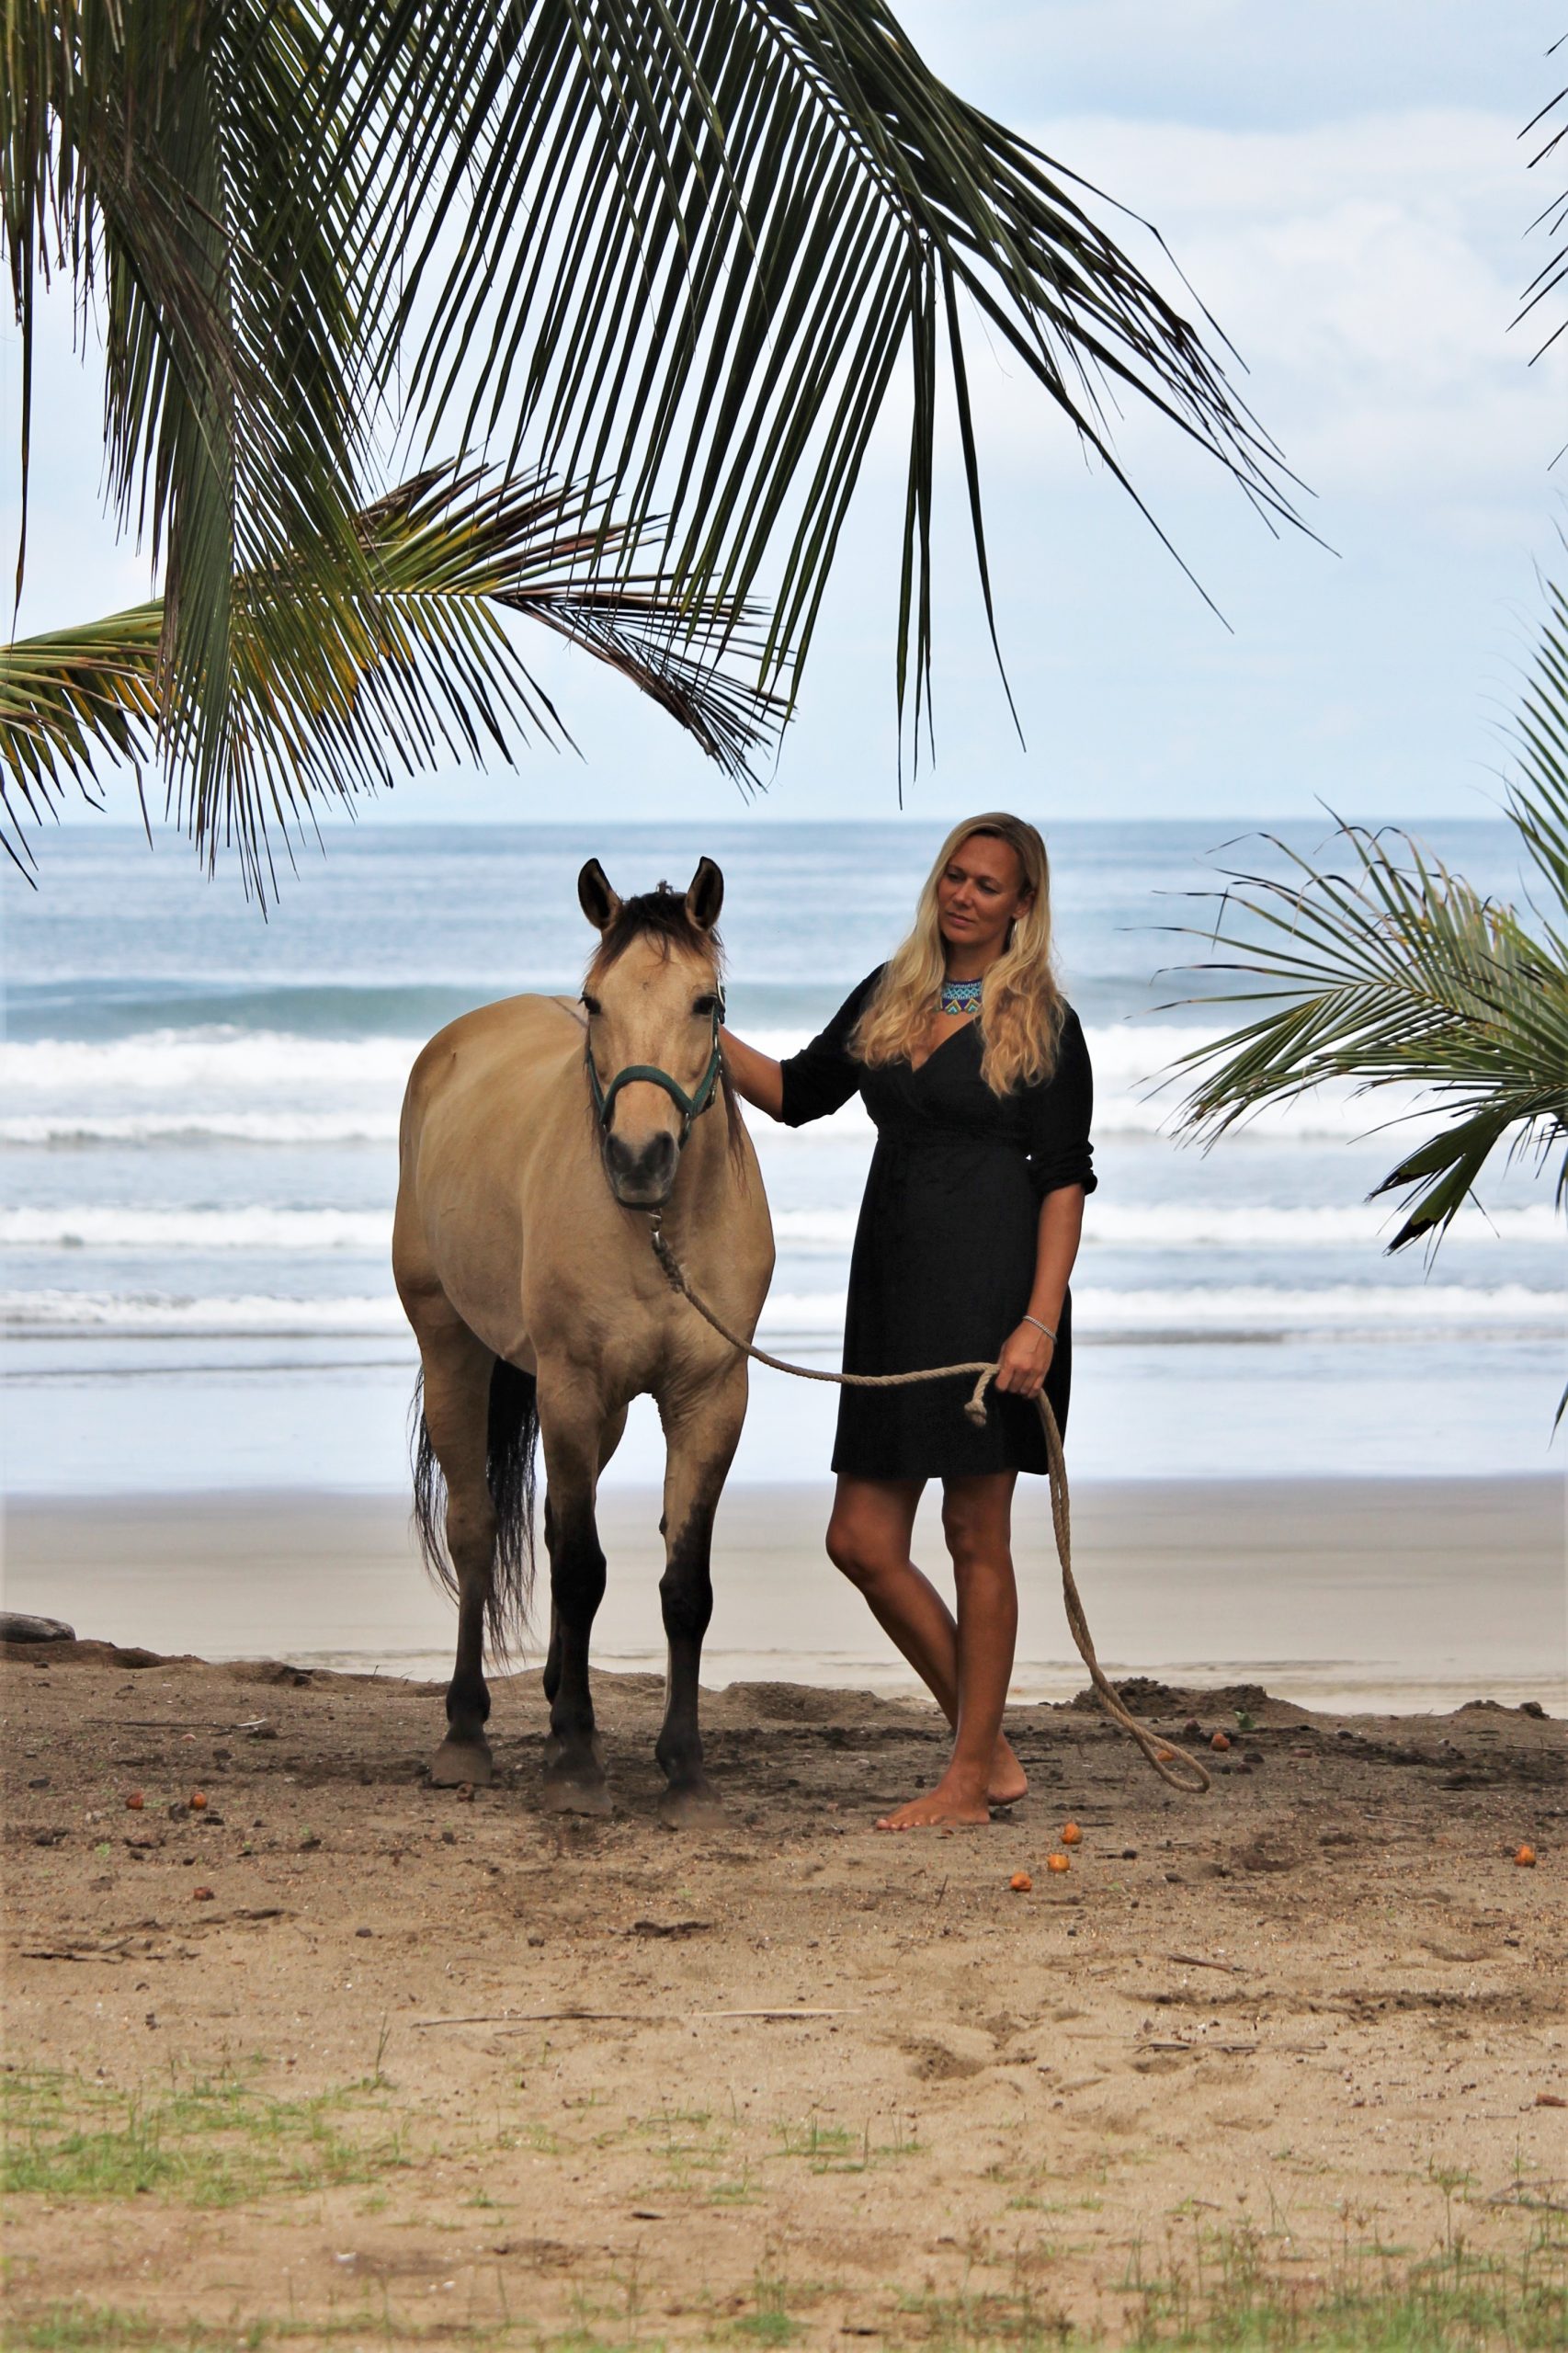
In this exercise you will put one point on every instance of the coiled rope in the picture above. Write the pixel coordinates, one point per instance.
(1162, 1754)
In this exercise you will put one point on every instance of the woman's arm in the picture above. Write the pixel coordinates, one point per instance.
(817, 1081)
(1026, 1353)
(757, 1078)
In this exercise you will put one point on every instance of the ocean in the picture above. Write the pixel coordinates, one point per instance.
(198, 1128)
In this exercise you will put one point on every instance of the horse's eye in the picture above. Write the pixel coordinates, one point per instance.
(705, 1007)
(590, 1004)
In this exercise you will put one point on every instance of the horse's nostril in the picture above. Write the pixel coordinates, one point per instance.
(646, 1169)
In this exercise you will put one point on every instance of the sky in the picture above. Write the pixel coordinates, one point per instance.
(1346, 190)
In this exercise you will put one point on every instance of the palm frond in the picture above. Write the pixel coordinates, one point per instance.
(1548, 127)
(678, 252)
(1394, 972)
(1397, 972)
(685, 248)
(333, 696)
(172, 162)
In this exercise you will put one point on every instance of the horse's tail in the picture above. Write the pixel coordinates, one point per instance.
(510, 1467)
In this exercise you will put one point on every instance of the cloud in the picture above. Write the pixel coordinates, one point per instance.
(1366, 270)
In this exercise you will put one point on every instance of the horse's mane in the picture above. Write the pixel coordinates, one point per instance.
(662, 915)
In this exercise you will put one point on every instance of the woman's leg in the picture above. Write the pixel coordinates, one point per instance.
(867, 1539)
(977, 1522)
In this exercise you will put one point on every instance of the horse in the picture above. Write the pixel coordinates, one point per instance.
(537, 1136)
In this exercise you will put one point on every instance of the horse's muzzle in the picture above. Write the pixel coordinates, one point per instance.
(641, 1176)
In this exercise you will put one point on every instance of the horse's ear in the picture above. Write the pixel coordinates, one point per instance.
(597, 901)
(705, 895)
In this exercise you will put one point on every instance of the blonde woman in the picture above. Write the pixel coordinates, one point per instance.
(975, 1072)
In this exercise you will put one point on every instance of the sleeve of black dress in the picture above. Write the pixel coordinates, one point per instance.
(823, 1075)
(1057, 1115)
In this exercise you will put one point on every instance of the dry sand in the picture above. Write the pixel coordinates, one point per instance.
(594, 2083)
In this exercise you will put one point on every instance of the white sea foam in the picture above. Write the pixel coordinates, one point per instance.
(194, 1064)
(182, 1232)
(1215, 1226)
(73, 1126)
(806, 1232)
(271, 1087)
(151, 1313)
(1187, 1311)
(1180, 1312)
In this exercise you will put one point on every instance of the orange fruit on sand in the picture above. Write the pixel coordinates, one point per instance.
(1020, 1882)
(135, 1800)
(1071, 1834)
(197, 1799)
(1221, 1740)
(1057, 1863)
(1525, 1857)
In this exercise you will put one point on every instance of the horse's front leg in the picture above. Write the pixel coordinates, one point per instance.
(572, 1424)
(701, 1433)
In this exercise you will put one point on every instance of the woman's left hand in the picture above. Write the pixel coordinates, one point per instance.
(1025, 1362)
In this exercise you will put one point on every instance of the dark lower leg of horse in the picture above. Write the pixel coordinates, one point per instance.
(573, 1776)
(685, 1597)
(701, 1434)
(464, 1755)
(456, 1401)
(551, 1675)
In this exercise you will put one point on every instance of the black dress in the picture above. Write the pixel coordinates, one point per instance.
(945, 1251)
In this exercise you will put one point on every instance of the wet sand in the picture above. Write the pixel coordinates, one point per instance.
(1352, 1594)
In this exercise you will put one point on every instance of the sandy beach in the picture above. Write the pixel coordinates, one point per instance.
(1340, 1594)
(301, 2048)
(305, 2049)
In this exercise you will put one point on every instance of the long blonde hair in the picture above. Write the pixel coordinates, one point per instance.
(1021, 1006)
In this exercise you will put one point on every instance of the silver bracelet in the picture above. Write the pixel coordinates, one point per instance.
(1041, 1327)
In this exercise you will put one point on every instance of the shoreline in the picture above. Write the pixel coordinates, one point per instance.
(1348, 1595)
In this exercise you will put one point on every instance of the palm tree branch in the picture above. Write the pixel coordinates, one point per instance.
(333, 695)
(691, 322)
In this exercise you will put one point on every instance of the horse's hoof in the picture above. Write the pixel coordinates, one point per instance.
(457, 1762)
(571, 1793)
(691, 1810)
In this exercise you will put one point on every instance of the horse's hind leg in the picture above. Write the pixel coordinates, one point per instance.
(458, 1369)
(701, 1435)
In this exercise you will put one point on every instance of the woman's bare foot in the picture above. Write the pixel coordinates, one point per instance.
(1009, 1782)
(954, 1799)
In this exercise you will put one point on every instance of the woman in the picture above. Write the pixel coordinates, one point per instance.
(975, 1072)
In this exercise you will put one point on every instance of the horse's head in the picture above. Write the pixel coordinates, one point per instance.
(653, 1003)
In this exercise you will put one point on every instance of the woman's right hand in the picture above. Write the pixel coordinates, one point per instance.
(757, 1078)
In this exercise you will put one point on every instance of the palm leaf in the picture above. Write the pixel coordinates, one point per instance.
(172, 160)
(1398, 972)
(684, 245)
(334, 696)
(1549, 128)
(678, 252)
(1395, 973)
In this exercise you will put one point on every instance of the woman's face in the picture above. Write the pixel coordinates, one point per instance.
(979, 891)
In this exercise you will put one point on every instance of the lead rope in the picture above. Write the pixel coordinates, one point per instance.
(1162, 1754)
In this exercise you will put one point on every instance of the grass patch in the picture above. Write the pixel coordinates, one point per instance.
(832, 2148)
(1224, 2297)
(214, 2141)
(106, 2328)
(1227, 2299)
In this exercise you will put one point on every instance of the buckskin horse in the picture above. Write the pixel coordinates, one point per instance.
(536, 1135)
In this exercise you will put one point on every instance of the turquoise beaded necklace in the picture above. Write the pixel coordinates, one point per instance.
(961, 997)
